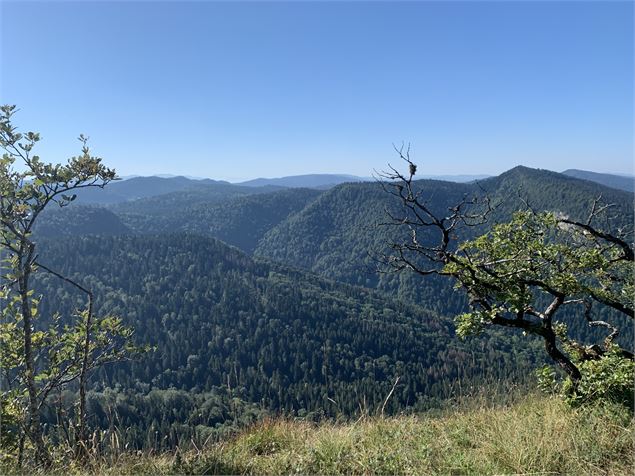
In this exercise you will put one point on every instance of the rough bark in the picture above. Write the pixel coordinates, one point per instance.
(559, 358)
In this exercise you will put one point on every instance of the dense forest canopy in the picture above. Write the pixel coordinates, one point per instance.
(224, 323)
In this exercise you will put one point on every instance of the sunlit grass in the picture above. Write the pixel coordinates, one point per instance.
(533, 435)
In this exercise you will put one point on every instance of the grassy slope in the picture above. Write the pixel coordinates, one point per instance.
(532, 435)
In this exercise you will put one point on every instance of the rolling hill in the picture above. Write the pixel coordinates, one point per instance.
(236, 218)
(79, 220)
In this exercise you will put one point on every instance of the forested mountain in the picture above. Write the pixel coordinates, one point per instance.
(228, 328)
(614, 181)
(337, 235)
(134, 188)
(240, 221)
(143, 187)
(237, 337)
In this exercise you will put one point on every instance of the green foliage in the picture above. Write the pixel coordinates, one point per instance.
(608, 379)
(473, 323)
(513, 265)
(11, 416)
(537, 248)
(547, 379)
(605, 381)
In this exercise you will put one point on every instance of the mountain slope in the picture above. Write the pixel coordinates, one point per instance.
(336, 235)
(79, 220)
(547, 190)
(283, 338)
(349, 217)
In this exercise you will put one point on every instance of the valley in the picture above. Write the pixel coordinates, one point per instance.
(258, 302)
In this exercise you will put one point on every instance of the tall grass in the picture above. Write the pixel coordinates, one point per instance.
(534, 435)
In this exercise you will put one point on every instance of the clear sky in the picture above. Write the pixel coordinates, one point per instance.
(248, 89)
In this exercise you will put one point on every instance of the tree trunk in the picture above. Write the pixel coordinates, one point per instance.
(21, 449)
(562, 360)
(34, 425)
(82, 446)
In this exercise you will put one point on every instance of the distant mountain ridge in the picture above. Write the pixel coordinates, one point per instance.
(305, 181)
(620, 182)
(457, 178)
(326, 181)
(138, 187)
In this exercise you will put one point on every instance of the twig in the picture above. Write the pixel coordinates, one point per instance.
(389, 395)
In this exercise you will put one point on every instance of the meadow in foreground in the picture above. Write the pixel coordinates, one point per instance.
(535, 434)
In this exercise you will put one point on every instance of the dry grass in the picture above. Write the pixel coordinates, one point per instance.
(535, 435)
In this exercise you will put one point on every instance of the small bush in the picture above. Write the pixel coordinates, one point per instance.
(608, 380)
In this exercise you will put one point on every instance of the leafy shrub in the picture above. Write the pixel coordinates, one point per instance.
(608, 379)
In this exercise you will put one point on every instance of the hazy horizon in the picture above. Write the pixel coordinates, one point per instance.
(422, 176)
(237, 91)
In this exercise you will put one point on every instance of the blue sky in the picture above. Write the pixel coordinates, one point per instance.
(248, 89)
